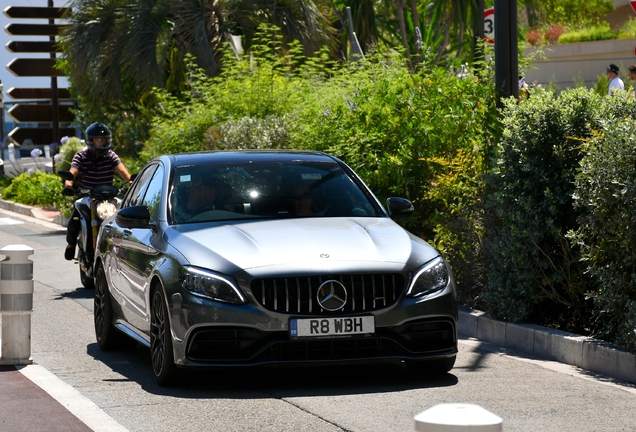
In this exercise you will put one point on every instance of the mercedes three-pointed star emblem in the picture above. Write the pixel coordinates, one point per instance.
(332, 295)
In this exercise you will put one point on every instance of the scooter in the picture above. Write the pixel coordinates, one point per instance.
(94, 205)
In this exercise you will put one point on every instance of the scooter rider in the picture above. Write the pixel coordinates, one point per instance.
(91, 167)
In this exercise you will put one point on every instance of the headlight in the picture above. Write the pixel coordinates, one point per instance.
(206, 284)
(430, 278)
(105, 209)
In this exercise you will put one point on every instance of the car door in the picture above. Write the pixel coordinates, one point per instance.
(114, 233)
(137, 255)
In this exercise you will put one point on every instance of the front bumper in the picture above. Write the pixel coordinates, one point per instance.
(216, 334)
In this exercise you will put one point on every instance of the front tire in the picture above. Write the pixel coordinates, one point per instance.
(108, 337)
(161, 352)
(87, 282)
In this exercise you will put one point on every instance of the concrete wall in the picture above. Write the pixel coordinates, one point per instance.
(570, 64)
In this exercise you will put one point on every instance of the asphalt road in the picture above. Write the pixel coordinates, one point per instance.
(529, 394)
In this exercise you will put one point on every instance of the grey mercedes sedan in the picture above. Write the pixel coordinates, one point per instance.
(269, 257)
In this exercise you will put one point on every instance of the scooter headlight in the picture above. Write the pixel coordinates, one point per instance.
(105, 209)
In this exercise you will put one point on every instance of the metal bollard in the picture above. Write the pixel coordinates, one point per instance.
(456, 417)
(16, 304)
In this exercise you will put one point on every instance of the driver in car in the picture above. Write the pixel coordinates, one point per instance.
(201, 196)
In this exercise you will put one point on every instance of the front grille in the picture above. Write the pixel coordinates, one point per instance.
(250, 346)
(298, 295)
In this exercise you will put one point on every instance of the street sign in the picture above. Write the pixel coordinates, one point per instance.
(32, 67)
(32, 47)
(489, 25)
(39, 135)
(35, 12)
(34, 29)
(39, 113)
(633, 5)
(37, 93)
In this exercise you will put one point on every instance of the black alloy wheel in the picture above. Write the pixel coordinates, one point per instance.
(108, 337)
(161, 352)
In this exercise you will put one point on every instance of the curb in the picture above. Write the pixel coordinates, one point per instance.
(563, 347)
(35, 212)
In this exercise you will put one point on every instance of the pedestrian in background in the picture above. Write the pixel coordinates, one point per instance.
(615, 82)
(632, 75)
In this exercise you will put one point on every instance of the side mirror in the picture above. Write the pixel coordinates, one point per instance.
(399, 208)
(133, 217)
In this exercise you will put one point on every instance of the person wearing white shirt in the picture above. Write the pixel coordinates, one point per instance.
(615, 81)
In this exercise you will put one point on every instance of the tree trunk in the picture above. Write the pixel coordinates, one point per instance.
(400, 14)
(416, 23)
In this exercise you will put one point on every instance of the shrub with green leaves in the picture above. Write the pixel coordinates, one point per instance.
(534, 273)
(38, 189)
(257, 91)
(606, 198)
(248, 133)
(391, 125)
(66, 153)
(459, 221)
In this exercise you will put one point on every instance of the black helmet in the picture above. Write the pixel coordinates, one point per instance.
(98, 130)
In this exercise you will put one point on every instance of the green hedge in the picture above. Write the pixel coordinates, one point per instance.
(559, 221)
(606, 198)
(534, 274)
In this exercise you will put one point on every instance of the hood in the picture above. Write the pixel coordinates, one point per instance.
(310, 244)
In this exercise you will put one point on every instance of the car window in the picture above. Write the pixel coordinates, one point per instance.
(135, 194)
(152, 197)
(249, 190)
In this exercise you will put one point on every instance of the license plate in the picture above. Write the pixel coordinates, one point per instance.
(330, 327)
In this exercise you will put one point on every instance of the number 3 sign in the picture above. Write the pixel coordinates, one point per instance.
(489, 25)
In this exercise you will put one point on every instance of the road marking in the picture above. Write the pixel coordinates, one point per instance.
(80, 406)
(10, 221)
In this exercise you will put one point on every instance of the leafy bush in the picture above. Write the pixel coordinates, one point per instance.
(65, 156)
(534, 273)
(248, 133)
(569, 12)
(38, 189)
(459, 226)
(597, 32)
(628, 30)
(390, 125)
(264, 86)
(606, 198)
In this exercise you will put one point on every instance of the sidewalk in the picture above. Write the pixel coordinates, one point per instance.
(24, 406)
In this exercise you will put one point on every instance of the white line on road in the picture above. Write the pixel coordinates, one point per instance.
(10, 221)
(80, 406)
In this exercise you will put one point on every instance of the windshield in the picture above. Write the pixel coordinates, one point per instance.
(248, 190)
